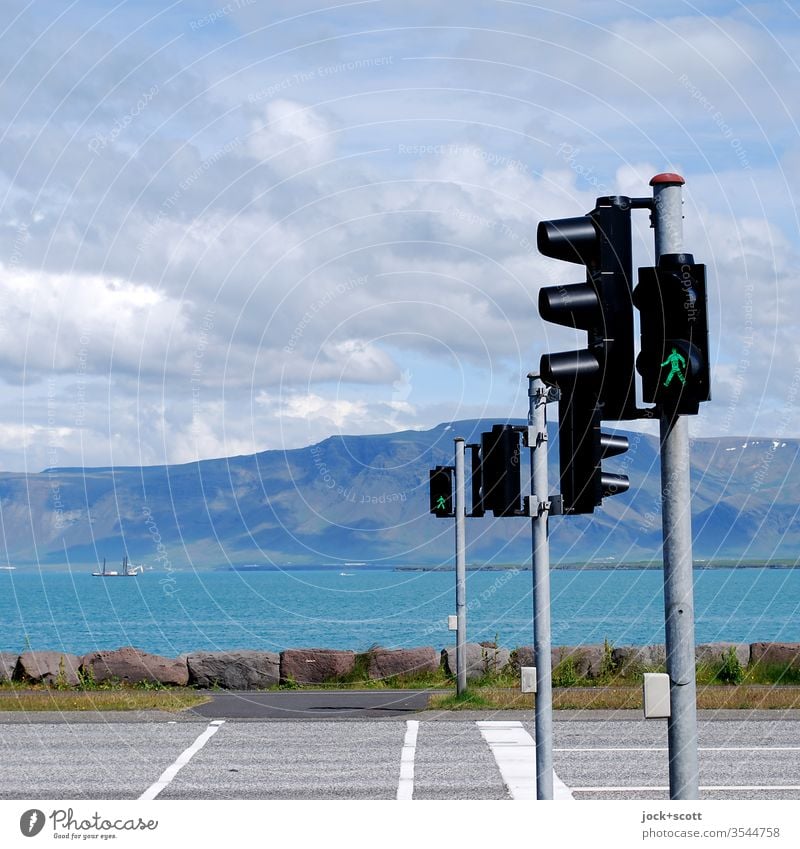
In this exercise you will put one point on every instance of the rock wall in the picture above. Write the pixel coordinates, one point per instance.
(250, 670)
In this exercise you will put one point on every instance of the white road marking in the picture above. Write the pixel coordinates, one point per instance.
(665, 749)
(514, 751)
(171, 771)
(611, 749)
(702, 787)
(749, 749)
(405, 787)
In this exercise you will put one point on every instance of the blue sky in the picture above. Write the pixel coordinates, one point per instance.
(228, 227)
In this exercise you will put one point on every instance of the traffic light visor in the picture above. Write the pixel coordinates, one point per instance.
(570, 239)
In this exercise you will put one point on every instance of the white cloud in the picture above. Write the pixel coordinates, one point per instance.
(302, 247)
(291, 137)
(78, 322)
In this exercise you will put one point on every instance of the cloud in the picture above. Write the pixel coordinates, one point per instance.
(291, 137)
(303, 212)
(58, 323)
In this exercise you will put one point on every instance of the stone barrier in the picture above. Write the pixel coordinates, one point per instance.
(480, 660)
(387, 663)
(249, 669)
(130, 665)
(315, 666)
(48, 667)
(234, 670)
(8, 663)
(587, 661)
(633, 660)
(717, 652)
(775, 654)
(522, 656)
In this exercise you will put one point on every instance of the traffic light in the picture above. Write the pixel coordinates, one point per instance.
(582, 448)
(597, 383)
(501, 489)
(441, 491)
(674, 358)
(602, 305)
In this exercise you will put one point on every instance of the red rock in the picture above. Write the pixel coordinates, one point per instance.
(130, 665)
(315, 666)
(386, 663)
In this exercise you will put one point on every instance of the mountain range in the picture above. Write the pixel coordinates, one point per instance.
(365, 499)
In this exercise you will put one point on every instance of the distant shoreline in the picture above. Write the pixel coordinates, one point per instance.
(599, 567)
(350, 570)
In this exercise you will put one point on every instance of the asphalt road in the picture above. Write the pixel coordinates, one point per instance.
(313, 704)
(598, 755)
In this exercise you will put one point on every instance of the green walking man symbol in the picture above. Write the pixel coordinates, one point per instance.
(676, 364)
(441, 503)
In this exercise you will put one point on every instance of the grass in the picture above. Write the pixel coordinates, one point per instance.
(711, 697)
(476, 699)
(747, 697)
(763, 673)
(16, 697)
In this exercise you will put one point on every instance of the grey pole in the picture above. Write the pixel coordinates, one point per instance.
(677, 532)
(540, 505)
(461, 571)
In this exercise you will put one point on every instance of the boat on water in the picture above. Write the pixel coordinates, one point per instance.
(8, 568)
(128, 571)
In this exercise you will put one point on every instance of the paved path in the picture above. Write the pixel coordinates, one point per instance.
(314, 704)
(602, 755)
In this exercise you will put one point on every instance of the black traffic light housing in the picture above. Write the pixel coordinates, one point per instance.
(602, 306)
(598, 382)
(674, 358)
(582, 448)
(501, 479)
(441, 491)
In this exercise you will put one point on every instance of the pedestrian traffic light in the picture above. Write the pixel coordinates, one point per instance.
(597, 383)
(674, 358)
(501, 490)
(441, 491)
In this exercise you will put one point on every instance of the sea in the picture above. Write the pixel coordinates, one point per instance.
(184, 611)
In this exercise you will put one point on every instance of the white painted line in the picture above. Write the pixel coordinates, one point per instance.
(171, 771)
(514, 751)
(702, 787)
(749, 749)
(611, 749)
(665, 749)
(405, 787)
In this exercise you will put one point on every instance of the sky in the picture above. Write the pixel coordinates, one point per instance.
(232, 227)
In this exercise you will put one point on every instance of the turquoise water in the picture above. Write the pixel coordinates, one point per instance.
(186, 611)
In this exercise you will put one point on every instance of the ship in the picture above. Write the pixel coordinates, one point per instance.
(128, 571)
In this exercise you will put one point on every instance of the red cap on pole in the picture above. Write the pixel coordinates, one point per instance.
(667, 179)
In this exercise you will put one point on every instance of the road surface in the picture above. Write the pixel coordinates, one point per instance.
(397, 753)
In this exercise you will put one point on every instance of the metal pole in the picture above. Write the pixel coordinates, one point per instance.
(677, 532)
(540, 503)
(461, 571)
